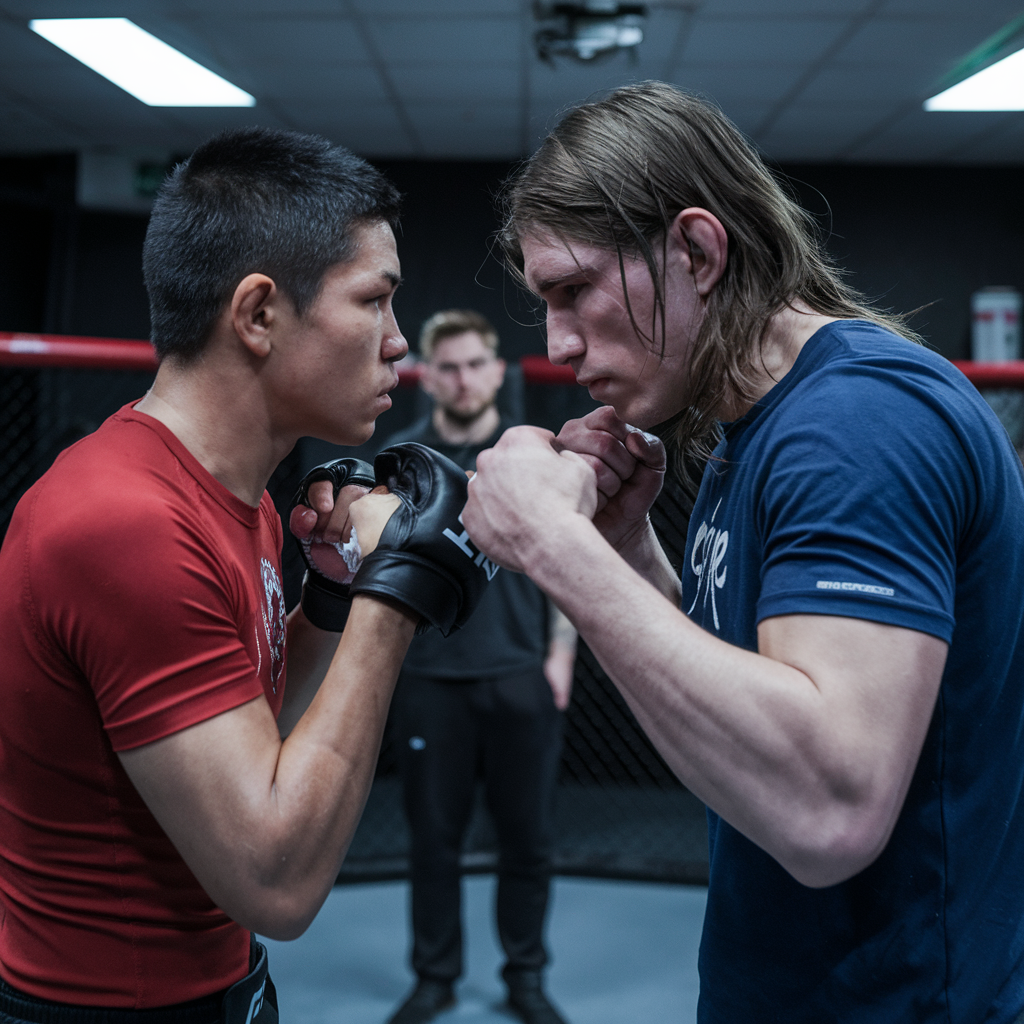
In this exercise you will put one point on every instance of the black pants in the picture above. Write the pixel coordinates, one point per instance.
(447, 732)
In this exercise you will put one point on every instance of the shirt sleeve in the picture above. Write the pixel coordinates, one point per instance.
(148, 612)
(866, 496)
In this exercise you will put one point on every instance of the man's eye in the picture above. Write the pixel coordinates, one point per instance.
(572, 290)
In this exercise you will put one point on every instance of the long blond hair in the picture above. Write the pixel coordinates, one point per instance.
(615, 173)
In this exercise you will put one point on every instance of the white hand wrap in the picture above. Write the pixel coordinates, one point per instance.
(351, 552)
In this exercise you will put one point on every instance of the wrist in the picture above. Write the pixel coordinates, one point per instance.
(644, 554)
(324, 603)
(383, 612)
(638, 547)
(555, 541)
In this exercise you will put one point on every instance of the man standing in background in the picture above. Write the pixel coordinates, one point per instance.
(488, 697)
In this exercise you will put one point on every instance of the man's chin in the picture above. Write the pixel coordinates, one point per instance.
(632, 415)
(465, 417)
(349, 436)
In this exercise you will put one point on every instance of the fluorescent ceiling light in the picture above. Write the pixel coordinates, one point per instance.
(140, 63)
(1000, 86)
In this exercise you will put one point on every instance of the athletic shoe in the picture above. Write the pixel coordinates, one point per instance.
(528, 1001)
(425, 1002)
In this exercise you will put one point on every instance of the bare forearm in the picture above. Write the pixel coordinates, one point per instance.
(751, 736)
(326, 764)
(310, 652)
(646, 556)
(266, 823)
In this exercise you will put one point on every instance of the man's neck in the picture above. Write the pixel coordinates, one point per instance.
(454, 430)
(221, 423)
(788, 331)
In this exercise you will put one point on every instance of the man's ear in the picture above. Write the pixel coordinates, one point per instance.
(703, 245)
(254, 309)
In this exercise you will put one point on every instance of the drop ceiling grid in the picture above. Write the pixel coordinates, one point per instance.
(810, 79)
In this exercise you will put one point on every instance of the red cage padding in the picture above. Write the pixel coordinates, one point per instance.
(993, 375)
(80, 353)
(119, 354)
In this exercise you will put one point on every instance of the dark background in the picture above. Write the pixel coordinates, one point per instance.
(910, 237)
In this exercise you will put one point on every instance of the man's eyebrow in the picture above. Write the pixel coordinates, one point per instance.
(392, 278)
(547, 283)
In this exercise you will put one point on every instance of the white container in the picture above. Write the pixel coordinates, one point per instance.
(995, 325)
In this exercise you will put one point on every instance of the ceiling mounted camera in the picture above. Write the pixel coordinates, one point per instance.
(588, 29)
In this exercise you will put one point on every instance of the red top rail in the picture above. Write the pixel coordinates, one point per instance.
(81, 353)
(116, 354)
(993, 375)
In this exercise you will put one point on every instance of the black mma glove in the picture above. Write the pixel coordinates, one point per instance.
(326, 602)
(424, 558)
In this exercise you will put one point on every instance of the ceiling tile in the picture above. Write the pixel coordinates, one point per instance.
(342, 83)
(664, 29)
(923, 136)
(468, 8)
(206, 121)
(21, 47)
(281, 8)
(822, 130)
(72, 83)
(747, 115)
(454, 133)
(292, 41)
(84, 8)
(24, 128)
(732, 84)
(432, 119)
(767, 40)
(1005, 145)
(935, 43)
(814, 8)
(453, 82)
(883, 83)
(989, 9)
(574, 82)
(479, 41)
(363, 127)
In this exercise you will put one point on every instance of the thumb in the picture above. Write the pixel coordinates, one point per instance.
(302, 521)
(646, 448)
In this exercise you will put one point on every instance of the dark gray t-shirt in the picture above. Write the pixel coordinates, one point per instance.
(507, 634)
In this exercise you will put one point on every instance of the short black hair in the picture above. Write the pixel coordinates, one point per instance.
(253, 200)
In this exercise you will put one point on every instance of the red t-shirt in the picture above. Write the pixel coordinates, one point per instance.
(138, 596)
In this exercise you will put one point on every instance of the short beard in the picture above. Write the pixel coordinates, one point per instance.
(464, 419)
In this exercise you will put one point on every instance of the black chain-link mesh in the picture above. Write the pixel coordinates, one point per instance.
(42, 411)
(620, 812)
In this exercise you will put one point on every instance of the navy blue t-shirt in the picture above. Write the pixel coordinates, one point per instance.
(874, 482)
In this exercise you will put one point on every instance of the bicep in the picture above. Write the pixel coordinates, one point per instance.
(209, 787)
(877, 685)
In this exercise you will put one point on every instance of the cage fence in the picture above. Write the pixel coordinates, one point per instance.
(620, 812)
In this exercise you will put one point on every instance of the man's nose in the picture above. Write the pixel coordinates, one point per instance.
(564, 341)
(395, 346)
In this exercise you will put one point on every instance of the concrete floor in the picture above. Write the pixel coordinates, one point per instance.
(622, 952)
